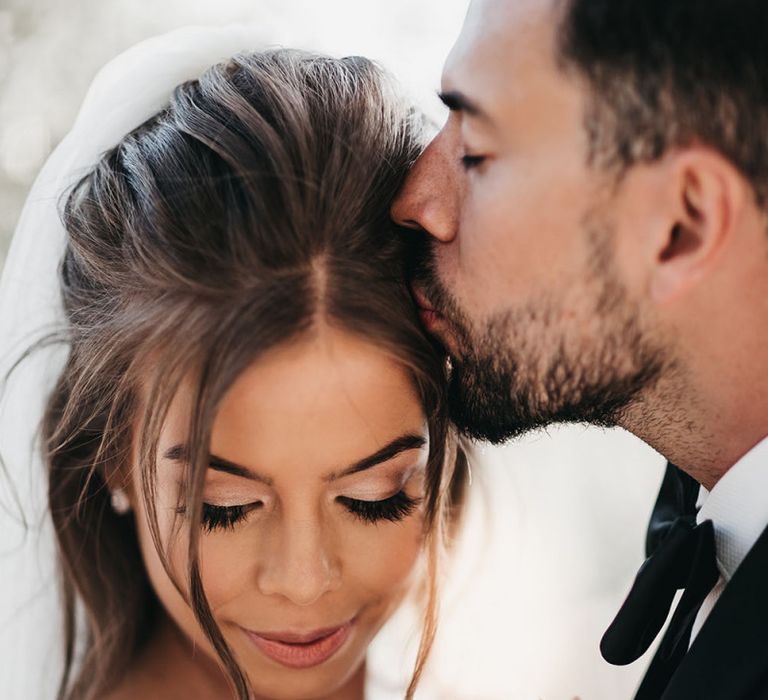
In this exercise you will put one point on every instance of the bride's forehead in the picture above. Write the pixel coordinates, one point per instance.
(327, 399)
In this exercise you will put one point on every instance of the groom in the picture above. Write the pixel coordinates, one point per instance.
(597, 211)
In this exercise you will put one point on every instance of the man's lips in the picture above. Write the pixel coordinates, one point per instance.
(301, 649)
(429, 316)
(433, 321)
(421, 300)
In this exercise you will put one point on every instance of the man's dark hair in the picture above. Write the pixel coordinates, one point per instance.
(666, 73)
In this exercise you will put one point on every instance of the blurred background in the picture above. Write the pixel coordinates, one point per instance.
(556, 525)
(50, 51)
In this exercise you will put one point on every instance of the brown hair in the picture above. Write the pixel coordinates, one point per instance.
(250, 209)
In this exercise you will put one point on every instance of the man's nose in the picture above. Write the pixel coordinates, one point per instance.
(301, 566)
(429, 199)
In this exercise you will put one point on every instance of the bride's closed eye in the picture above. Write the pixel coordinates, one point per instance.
(225, 517)
(392, 509)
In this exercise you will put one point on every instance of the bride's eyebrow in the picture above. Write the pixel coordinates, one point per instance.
(409, 441)
(178, 453)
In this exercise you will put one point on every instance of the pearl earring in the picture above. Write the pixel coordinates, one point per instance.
(120, 503)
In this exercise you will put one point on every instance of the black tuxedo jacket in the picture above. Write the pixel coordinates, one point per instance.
(728, 659)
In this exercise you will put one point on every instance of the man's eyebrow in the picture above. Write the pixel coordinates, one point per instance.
(458, 102)
(178, 453)
(409, 441)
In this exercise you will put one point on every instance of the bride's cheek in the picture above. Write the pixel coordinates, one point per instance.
(227, 568)
(387, 557)
(174, 541)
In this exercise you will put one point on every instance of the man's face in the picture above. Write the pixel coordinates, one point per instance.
(521, 278)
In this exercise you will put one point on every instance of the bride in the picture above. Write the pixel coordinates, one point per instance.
(249, 465)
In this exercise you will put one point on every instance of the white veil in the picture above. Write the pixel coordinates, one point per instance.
(125, 93)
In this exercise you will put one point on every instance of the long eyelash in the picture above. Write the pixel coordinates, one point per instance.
(224, 517)
(393, 509)
(469, 162)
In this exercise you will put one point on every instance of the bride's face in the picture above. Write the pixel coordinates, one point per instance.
(312, 523)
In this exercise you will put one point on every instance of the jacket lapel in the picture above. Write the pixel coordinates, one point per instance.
(728, 660)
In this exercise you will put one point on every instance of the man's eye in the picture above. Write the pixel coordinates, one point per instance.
(394, 508)
(468, 162)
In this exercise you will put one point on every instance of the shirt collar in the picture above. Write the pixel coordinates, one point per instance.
(738, 508)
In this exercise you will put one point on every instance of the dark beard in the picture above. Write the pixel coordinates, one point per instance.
(498, 389)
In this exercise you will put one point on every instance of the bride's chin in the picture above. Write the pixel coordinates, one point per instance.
(304, 684)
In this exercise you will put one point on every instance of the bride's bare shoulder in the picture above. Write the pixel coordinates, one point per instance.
(137, 683)
(125, 691)
(144, 677)
(166, 668)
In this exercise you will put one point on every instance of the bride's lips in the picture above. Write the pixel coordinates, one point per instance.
(301, 649)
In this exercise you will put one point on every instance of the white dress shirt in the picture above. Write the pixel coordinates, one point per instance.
(738, 509)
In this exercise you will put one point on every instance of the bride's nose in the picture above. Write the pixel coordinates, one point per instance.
(302, 565)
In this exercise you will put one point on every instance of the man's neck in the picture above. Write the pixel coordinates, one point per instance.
(703, 432)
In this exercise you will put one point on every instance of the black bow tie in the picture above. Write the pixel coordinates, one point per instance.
(677, 497)
(682, 556)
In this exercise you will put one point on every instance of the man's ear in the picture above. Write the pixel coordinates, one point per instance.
(704, 195)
